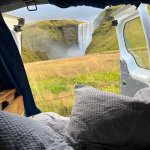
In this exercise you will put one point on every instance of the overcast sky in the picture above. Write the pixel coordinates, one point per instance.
(51, 12)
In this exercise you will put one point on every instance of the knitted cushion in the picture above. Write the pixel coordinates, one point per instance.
(107, 121)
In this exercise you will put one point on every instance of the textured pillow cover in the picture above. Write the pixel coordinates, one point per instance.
(107, 121)
(21, 133)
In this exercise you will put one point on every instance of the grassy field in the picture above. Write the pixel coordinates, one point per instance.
(53, 81)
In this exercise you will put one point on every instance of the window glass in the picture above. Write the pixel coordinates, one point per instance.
(136, 42)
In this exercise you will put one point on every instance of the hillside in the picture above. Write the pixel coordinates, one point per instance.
(41, 39)
(51, 39)
(29, 56)
(104, 37)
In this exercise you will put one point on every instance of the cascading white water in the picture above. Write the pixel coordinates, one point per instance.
(85, 32)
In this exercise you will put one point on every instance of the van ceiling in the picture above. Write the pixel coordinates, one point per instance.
(8, 5)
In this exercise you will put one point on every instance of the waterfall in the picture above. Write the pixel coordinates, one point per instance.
(85, 32)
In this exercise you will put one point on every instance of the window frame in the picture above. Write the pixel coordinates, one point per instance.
(124, 28)
(131, 12)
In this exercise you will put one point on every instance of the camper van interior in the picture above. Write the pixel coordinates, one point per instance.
(74, 82)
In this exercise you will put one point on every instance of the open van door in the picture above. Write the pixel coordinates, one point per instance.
(15, 25)
(134, 42)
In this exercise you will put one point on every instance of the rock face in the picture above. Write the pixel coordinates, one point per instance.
(85, 32)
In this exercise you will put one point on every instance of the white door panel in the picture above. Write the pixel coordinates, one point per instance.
(136, 72)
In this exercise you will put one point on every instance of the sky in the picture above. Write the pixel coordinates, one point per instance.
(51, 12)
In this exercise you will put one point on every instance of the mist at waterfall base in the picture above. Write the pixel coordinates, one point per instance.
(58, 51)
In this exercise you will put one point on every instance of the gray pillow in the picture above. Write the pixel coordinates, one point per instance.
(107, 121)
(21, 133)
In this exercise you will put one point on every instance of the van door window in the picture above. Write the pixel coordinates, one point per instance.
(136, 42)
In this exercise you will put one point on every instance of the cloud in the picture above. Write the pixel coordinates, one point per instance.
(51, 12)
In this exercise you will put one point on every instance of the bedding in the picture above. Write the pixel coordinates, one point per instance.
(99, 121)
(56, 122)
(107, 121)
(21, 133)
